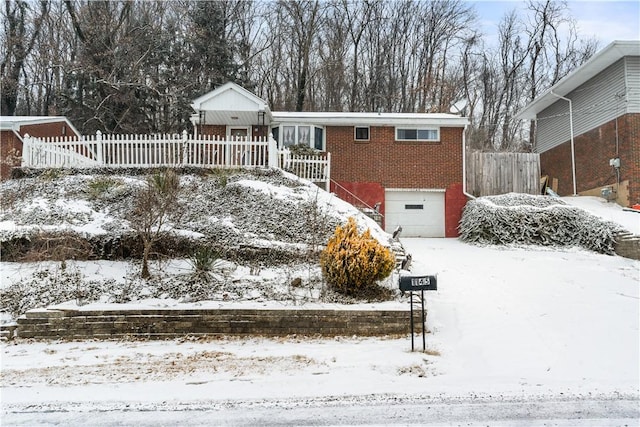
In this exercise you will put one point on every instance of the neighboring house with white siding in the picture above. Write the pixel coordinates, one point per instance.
(597, 106)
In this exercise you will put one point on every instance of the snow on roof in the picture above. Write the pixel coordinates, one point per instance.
(14, 122)
(354, 118)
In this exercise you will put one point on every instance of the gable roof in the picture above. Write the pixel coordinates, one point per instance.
(596, 64)
(229, 104)
(241, 94)
(15, 122)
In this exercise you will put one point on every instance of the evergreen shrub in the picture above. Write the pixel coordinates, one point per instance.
(353, 262)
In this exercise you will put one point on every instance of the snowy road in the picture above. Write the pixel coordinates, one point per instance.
(518, 337)
(366, 410)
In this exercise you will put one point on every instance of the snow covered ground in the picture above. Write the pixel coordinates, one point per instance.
(558, 330)
(519, 336)
(607, 210)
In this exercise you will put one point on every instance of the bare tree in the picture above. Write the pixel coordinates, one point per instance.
(21, 29)
(155, 206)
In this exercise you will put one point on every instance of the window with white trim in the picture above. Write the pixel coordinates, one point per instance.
(361, 133)
(417, 134)
(288, 135)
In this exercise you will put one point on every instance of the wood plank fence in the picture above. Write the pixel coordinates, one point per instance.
(500, 173)
(178, 150)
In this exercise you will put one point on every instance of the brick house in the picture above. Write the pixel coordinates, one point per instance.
(14, 128)
(599, 103)
(409, 166)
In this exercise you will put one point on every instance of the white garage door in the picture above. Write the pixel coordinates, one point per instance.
(420, 213)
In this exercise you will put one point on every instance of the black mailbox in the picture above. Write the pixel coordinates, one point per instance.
(418, 283)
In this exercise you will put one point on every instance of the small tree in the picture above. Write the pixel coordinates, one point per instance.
(352, 262)
(156, 204)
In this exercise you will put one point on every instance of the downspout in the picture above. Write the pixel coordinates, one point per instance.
(464, 163)
(573, 152)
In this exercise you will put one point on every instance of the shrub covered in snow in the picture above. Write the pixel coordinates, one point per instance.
(534, 220)
(353, 262)
(238, 214)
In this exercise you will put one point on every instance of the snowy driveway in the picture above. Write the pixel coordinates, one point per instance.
(517, 335)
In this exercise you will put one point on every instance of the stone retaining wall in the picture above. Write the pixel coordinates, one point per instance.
(156, 324)
(628, 245)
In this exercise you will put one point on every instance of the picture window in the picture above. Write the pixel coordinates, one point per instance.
(417, 134)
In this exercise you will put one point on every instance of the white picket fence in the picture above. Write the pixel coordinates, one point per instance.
(315, 168)
(179, 150)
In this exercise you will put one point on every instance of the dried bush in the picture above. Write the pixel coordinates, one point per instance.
(156, 204)
(102, 186)
(353, 262)
(534, 220)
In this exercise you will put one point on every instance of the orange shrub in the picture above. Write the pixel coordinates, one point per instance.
(353, 262)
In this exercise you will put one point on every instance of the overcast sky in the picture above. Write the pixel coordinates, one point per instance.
(606, 20)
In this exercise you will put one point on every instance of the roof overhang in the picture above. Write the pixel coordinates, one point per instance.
(370, 119)
(16, 122)
(596, 64)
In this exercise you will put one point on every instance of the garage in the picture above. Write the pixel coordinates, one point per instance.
(419, 212)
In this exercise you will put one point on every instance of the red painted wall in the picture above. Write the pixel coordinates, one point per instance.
(358, 192)
(454, 202)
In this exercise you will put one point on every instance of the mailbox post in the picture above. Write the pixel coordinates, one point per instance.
(412, 284)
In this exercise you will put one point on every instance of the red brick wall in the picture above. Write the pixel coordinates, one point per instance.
(10, 148)
(216, 130)
(257, 131)
(10, 143)
(630, 156)
(593, 150)
(395, 164)
(45, 130)
(367, 168)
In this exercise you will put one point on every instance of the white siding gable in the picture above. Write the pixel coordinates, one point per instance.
(597, 101)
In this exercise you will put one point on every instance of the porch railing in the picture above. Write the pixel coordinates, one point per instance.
(119, 151)
(315, 168)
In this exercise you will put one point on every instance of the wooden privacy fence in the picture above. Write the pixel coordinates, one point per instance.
(500, 173)
(178, 150)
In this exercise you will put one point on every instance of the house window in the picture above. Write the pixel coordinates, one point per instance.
(306, 135)
(361, 133)
(288, 136)
(417, 134)
(318, 139)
